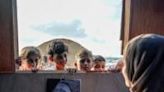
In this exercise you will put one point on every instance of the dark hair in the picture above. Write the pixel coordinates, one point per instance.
(27, 52)
(85, 54)
(57, 47)
(144, 63)
(99, 58)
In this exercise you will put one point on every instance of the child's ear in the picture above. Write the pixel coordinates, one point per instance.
(75, 64)
(93, 64)
(50, 58)
(18, 61)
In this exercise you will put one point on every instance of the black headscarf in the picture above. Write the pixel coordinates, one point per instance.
(144, 62)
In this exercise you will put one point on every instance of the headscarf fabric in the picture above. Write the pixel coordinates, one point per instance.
(144, 62)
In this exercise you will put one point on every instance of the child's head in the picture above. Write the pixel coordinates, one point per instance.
(119, 65)
(29, 58)
(84, 60)
(58, 53)
(99, 63)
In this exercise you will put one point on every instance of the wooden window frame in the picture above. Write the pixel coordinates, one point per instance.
(8, 36)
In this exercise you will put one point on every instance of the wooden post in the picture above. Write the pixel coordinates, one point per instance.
(8, 36)
(141, 17)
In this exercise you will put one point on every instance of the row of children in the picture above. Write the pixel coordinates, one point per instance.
(143, 62)
(30, 59)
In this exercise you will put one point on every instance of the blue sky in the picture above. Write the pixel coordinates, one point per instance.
(95, 24)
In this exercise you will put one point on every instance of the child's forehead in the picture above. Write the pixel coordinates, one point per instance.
(33, 56)
(62, 54)
(99, 58)
(86, 58)
(99, 62)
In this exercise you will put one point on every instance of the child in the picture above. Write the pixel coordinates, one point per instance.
(99, 63)
(29, 59)
(84, 61)
(116, 67)
(58, 54)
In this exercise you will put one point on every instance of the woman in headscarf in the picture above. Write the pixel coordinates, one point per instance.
(144, 63)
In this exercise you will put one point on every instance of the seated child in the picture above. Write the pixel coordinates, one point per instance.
(29, 59)
(84, 61)
(58, 54)
(99, 63)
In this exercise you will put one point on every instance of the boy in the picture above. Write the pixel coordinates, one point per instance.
(29, 59)
(84, 61)
(99, 63)
(58, 54)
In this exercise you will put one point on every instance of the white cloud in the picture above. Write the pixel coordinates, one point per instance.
(99, 18)
(72, 29)
(30, 37)
(108, 48)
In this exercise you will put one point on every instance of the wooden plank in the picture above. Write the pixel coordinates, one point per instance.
(126, 22)
(36, 82)
(147, 17)
(141, 17)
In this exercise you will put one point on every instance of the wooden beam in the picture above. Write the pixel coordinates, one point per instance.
(8, 36)
(142, 17)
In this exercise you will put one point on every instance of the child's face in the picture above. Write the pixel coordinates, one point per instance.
(85, 64)
(60, 61)
(30, 63)
(99, 66)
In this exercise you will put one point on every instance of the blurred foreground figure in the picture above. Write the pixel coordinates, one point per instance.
(144, 64)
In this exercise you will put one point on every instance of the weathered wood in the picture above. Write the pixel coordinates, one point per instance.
(8, 36)
(140, 17)
(36, 82)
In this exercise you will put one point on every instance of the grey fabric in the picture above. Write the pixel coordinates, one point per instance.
(144, 58)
